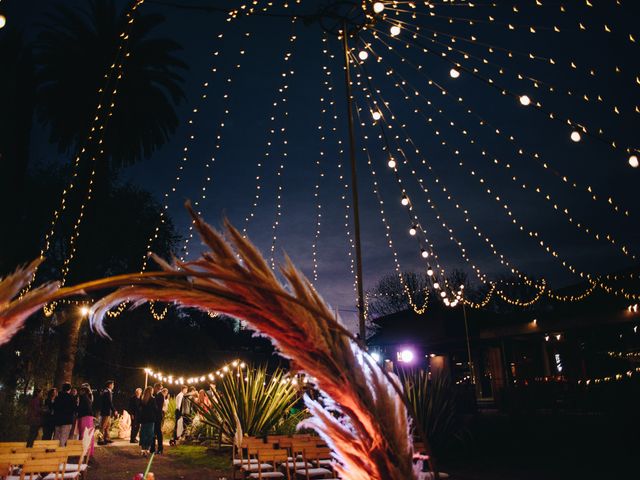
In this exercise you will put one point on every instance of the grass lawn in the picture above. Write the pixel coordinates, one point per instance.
(197, 456)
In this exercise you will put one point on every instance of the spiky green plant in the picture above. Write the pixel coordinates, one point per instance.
(434, 407)
(259, 401)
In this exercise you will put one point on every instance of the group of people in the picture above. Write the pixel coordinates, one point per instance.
(68, 413)
(148, 409)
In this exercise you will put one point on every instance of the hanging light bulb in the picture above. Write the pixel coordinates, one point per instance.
(395, 30)
(363, 55)
(446, 301)
(3, 21)
(454, 303)
(453, 73)
(413, 231)
(405, 200)
(633, 161)
(443, 294)
(391, 163)
(436, 285)
(378, 7)
(575, 136)
(430, 272)
(525, 100)
(376, 115)
(424, 253)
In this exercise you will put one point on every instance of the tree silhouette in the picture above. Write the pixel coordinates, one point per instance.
(72, 54)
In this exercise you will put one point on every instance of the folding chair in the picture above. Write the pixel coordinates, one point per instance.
(10, 462)
(33, 467)
(80, 449)
(315, 454)
(275, 456)
(46, 443)
(296, 447)
(250, 464)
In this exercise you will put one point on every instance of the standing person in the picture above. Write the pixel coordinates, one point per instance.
(203, 401)
(48, 425)
(106, 411)
(158, 445)
(34, 416)
(186, 407)
(64, 410)
(147, 415)
(177, 431)
(85, 415)
(74, 431)
(134, 412)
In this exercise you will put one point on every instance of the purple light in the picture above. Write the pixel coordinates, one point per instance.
(406, 356)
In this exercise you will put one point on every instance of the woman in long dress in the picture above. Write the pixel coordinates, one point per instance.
(85, 414)
(147, 414)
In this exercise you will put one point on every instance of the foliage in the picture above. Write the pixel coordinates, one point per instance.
(169, 419)
(434, 405)
(13, 417)
(261, 402)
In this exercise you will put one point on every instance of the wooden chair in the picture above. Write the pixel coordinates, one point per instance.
(80, 449)
(12, 444)
(46, 443)
(311, 455)
(271, 457)
(33, 467)
(295, 446)
(9, 462)
(249, 463)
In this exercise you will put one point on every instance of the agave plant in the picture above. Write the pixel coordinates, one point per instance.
(258, 401)
(434, 406)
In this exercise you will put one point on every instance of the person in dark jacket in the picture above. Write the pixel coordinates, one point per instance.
(48, 425)
(147, 416)
(85, 415)
(106, 411)
(64, 411)
(35, 418)
(157, 445)
(134, 412)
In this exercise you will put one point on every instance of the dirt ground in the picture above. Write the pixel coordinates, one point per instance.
(121, 461)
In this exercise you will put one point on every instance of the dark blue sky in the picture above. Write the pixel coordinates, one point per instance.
(230, 180)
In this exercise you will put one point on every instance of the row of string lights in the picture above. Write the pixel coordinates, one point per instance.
(393, 39)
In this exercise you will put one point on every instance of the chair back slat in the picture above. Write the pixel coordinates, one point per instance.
(12, 444)
(13, 458)
(46, 443)
(50, 463)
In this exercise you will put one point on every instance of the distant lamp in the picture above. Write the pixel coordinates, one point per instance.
(453, 73)
(378, 7)
(84, 310)
(363, 55)
(633, 161)
(405, 356)
(525, 100)
(575, 136)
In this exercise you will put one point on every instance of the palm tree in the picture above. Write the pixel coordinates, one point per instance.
(72, 53)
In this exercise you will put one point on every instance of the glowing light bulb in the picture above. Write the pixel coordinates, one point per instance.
(395, 30)
(84, 310)
(436, 285)
(424, 253)
(405, 356)
(430, 273)
(376, 115)
(575, 136)
(446, 301)
(443, 294)
(413, 231)
(3, 21)
(525, 100)
(363, 55)
(633, 161)
(454, 303)
(405, 200)
(453, 73)
(375, 356)
(378, 7)
(391, 163)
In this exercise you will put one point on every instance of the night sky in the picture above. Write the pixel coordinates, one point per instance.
(230, 180)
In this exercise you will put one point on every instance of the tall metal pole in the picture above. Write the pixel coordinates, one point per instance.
(354, 185)
(466, 331)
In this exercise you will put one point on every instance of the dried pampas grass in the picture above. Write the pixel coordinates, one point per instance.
(15, 309)
(363, 417)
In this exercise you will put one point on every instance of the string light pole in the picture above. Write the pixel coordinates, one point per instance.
(354, 183)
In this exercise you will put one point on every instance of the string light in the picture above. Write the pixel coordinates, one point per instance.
(453, 73)
(633, 161)
(3, 21)
(575, 136)
(378, 7)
